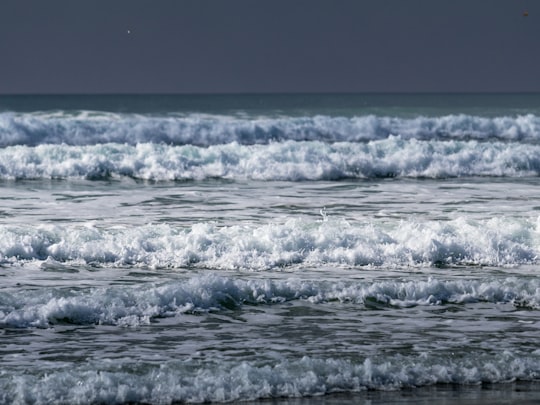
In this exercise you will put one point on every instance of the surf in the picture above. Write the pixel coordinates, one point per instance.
(462, 241)
(78, 128)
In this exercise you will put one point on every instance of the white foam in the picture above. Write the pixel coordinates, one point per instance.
(496, 242)
(90, 128)
(133, 306)
(192, 381)
(290, 161)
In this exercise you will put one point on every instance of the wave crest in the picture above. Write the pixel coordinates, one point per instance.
(289, 161)
(91, 128)
(495, 242)
(136, 306)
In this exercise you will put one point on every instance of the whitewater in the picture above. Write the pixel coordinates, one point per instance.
(347, 248)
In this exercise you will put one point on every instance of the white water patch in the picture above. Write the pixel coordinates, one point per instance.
(289, 161)
(193, 381)
(90, 128)
(138, 305)
(461, 241)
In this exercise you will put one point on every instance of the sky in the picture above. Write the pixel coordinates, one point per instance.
(261, 46)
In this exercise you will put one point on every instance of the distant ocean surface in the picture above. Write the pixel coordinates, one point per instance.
(213, 248)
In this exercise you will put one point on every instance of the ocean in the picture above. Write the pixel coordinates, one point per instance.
(285, 249)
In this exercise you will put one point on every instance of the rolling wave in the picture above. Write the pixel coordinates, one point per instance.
(134, 306)
(289, 161)
(495, 242)
(91, 128)
(195, 381)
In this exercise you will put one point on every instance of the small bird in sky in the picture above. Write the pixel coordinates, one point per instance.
(525, 13)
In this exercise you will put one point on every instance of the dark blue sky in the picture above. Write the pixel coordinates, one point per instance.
(222, 46)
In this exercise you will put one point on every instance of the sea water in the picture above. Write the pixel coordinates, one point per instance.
(162, 249)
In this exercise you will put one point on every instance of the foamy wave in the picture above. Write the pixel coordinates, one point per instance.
(290, 161)
(90, 128)
(192, 381)
(133, 306)
(498, 242)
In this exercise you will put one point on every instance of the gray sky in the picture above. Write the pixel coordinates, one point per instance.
(221, 46)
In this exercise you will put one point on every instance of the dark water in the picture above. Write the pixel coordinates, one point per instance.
(400, 104)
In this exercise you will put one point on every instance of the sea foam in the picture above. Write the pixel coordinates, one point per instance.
(134, 306)
(289, 161)
(296, 241)
(194, 381)
(90, 128)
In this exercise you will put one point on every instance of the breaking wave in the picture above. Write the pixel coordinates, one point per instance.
(289, 161)
(192, 382)
(495, 242)
(91, 128)
(134, 306)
